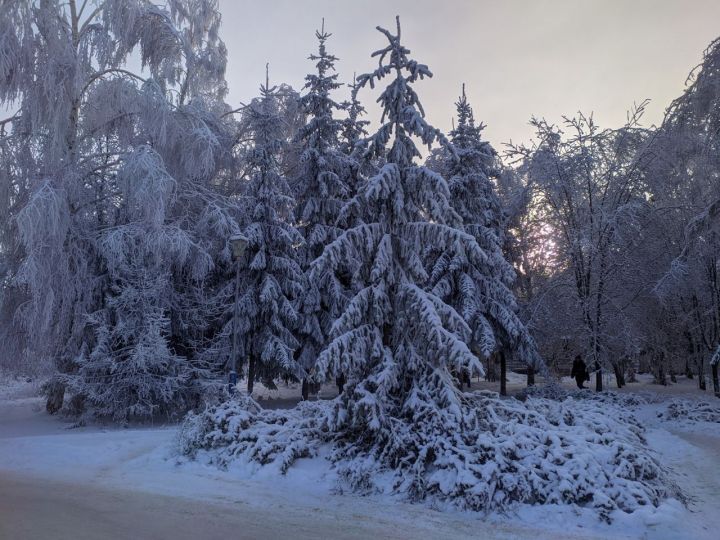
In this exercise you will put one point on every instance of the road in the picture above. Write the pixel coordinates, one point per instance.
(34, 508)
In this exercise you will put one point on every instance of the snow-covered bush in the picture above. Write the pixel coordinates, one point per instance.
(241, 428)
(559, 393)
(499, 452)
(691, 411)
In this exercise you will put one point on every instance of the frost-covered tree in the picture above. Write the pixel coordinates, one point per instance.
(481, 294)
(591, 185)
(470, 170)
(321, 191)
(271, 278)
(104, 160)
(686, 193)
(402, 425)
(129, 370)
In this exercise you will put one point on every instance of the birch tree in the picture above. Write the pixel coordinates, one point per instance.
(102, 158)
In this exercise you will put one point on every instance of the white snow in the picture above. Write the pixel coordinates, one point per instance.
(36, 446)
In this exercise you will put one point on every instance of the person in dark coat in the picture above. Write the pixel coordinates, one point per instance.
(579, 371)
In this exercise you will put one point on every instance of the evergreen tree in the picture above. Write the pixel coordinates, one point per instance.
(470, 170)
(272, 279)
(396, 341)
(481, 294)
(321, 192)
(353, 130)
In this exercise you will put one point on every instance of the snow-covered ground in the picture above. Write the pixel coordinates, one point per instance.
(90, 482)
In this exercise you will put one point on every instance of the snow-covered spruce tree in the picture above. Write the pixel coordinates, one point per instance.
(402, 425)
(481, 294)
(354, 128)
(321, 192)
(469, 170)
(272, 278)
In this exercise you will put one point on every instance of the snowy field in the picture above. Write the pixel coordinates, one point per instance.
(89, 482)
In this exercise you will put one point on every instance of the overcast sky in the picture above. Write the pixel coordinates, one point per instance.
(517, 57)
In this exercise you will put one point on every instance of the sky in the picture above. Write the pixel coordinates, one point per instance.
(518, 58)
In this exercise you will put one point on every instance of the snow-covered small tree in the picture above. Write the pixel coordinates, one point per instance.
(354, 128)
(271, 278)
(129, 370)
(470, 169)
(321, 191)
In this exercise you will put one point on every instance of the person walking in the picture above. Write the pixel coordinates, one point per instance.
(579, 372)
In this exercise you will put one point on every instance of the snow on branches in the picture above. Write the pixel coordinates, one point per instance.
(271, 279)
(322, 186)
(401, 424)
(480, 293)
(499, 453)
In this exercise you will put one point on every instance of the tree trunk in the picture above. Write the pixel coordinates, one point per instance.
(619, 375)
(55, 397)
(251, 375)
(701, 375)
(715, 380)
(661, 374)
(503, 373)
(305, 389)
(491, 374)
(631, 374)
(340, 382)
(598, 377)
(530, 376)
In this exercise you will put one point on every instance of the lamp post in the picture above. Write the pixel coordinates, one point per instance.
(238, 243)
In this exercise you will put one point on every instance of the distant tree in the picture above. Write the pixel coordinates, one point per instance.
(591, 189)
(354, 128)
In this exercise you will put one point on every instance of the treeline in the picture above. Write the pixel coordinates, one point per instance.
(120, 192)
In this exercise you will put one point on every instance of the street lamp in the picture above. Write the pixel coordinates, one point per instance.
(238, 244)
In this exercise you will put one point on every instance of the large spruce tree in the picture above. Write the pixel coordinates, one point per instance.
(271, 279)
(321, 191)
(397, 342)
